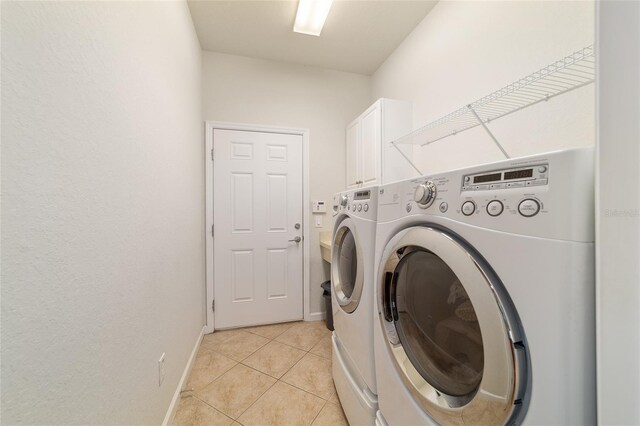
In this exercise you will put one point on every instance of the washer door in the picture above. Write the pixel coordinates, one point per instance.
(452, 329)
(346, 266)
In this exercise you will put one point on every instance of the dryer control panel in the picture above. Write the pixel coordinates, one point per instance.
(548, 195)
(519, 177)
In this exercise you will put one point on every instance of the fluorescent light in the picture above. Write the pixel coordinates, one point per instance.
(311, 16)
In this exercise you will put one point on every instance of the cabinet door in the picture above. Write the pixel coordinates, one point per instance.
(354, 156)
(396, 122)
(371, 145)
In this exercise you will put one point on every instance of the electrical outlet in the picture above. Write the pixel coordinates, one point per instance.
(161, 370)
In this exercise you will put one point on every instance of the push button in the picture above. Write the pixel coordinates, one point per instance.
(359, 207)
(366, 207)
(468, 207)
(529, 207)
(495, 208)
(444, 207)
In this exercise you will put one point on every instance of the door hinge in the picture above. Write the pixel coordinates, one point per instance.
(211, 154)
(213, 305)
(212, 230)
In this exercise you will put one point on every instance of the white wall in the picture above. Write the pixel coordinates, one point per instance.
(102, 209)
(246, 90)
(618, 213)
(462, 51)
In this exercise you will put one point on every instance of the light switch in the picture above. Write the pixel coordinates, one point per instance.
(318, 220)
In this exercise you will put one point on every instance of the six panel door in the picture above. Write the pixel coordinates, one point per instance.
(258, 276)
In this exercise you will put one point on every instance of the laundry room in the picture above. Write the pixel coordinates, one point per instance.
(320, 212)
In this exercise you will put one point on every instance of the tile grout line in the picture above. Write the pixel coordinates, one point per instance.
(240, 362)
(305, 391)
(195, 395)
(221, 374)
(195, 392)
(209, 405)
(260, 372)
(274, 383)
(277, 378)
(259, 396)
(257, 399)
(320, 411)
(271, 338)
(294, 364)
(286, 344)
(267, 325)
(282, 343)
(262, 346)
(248, 366)
(325, 401)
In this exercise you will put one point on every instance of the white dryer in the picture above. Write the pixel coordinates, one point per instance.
(485, 294)
(352, 256)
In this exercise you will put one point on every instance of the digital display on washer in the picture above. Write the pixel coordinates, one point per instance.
(362, 195)
(487, 178)
(518, 174)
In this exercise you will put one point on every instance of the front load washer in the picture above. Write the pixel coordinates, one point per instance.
(352, 281)
(485, 294)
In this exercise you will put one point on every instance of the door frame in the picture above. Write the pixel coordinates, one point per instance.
(210, 126)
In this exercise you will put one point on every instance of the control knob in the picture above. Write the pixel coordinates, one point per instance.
(529, 207)
(425, 194)
(343, 200)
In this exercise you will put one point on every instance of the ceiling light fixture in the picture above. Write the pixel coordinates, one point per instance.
(311, 16)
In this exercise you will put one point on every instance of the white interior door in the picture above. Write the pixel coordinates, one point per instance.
(258, 197)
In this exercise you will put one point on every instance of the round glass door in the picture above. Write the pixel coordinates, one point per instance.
(346, 267)
(451, 329)
(437, 324)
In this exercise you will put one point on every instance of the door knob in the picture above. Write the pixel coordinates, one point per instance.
(296, 239)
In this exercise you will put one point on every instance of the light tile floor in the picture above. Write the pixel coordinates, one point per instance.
(270, 375)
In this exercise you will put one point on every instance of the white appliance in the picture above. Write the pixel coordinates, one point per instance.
(485, 294)
(352, 253)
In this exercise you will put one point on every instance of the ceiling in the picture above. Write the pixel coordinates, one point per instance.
(358, 35)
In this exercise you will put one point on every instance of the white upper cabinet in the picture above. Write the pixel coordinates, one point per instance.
(371, 159)
(354, 154)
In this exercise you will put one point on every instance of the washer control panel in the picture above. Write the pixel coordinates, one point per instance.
(359, 203)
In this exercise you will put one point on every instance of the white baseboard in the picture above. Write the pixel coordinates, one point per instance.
(316, 316)
(171, 412)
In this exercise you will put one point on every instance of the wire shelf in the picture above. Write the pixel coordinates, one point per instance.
(570, 73)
